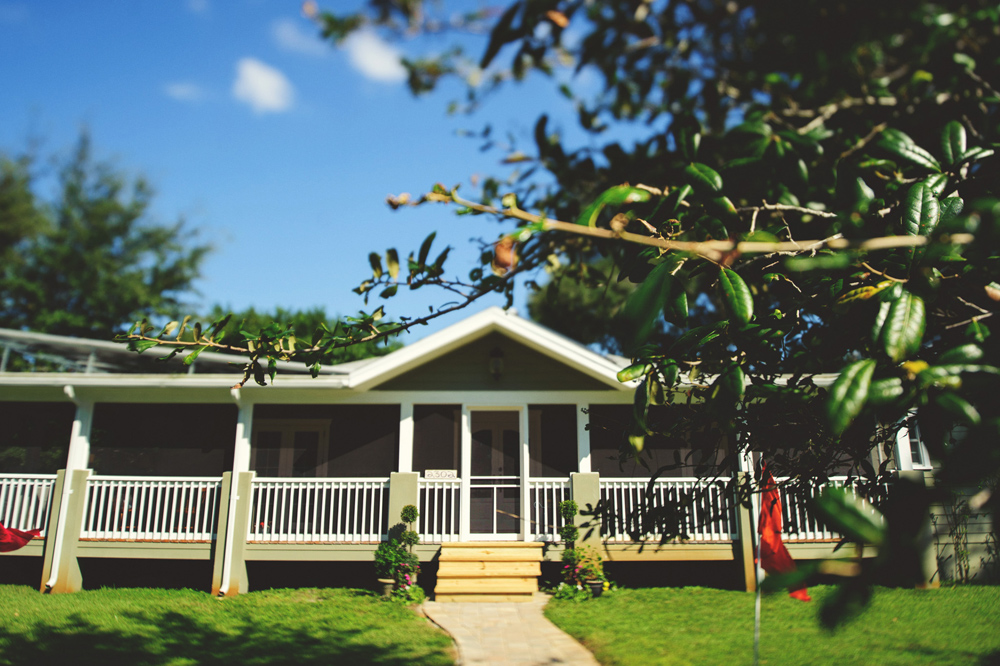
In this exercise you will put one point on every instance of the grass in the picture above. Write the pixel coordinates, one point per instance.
(188, 628)
(675, 626)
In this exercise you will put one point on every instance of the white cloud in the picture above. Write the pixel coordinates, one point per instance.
(291, 37)
(374, 58)
(183, 91)
(263, 87)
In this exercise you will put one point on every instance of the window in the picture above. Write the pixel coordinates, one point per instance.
(918, 452)
(290, 448)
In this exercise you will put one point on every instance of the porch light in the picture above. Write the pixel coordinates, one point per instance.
(496, 363)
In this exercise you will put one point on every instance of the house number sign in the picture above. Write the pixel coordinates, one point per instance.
(440, 473)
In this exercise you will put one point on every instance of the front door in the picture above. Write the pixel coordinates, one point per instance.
(495, 480)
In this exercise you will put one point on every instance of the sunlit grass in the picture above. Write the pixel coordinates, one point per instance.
(184, 627)
(672, 626)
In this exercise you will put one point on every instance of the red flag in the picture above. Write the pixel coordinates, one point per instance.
(11, 539)
(774, 557)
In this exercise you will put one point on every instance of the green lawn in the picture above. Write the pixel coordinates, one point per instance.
(673, 626)
(183, 627)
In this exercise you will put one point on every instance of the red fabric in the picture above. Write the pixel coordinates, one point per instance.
(11, 539)
(774, 557)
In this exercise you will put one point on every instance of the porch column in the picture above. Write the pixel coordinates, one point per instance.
(403, 490)
(244, 433)
(405, 437)
(466, 464)
(585, 489)
(582, 438)
(78, 456)
(745, 533)
(229, 571)
(60, 569)
(525, 473)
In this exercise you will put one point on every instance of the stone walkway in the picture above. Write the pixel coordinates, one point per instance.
(507, 633)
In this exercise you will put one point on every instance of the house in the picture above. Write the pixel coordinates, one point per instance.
(485, 426)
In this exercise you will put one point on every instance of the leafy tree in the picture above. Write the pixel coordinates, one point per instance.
(90, 258)
(818, 178)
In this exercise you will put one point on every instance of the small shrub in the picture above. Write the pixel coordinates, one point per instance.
(568, 509)
(581, 565)
(387, 558)
(409, 514)
(409, 538)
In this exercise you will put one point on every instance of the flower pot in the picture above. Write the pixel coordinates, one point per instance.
(596, 587)
(386, 586)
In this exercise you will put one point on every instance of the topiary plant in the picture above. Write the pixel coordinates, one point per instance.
(409, 514)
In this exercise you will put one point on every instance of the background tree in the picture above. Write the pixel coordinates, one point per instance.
(817, 178)
(90, 258)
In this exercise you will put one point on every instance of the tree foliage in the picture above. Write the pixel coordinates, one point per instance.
(90, 258)
(805, 214)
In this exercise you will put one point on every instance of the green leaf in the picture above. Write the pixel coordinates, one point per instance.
(901, 145)
(703, 178)
(193, 355)
(659, 292)
(376, 264)
(950, 209)
(885, 391)
(613, 196)
(671, 370)
(965, 354)
(958, 407)
(848, 394)
(736, 296)
(920, 216)
(425, 249)
(389, 291)
(698, 336)
(732, 383)
(141, 345)
(854, 519)
(953, 142)
(633, 372)
(392, 261)
(904, 327)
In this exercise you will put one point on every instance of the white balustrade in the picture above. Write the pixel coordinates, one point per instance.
(798, 522)
(25, 500)
(320, 509)
(438, 504)
(151, 508)
(701, 509)
(544, 496)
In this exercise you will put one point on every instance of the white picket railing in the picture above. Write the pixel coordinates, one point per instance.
(544, 496)
(798, 523)
(438, 501)
(151, 508)
(320, 509)
(25, 500)
(705, 510)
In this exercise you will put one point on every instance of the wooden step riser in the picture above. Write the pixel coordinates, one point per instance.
(488, 569)
(489, 556)
(527, 585)
(484, 598)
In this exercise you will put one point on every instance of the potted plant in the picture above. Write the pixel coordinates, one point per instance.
(409, 538)
(387, 560)
(590, 570)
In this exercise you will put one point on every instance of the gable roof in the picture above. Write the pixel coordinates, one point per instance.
(494, 319)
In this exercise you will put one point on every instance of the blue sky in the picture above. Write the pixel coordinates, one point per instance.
(279, 148)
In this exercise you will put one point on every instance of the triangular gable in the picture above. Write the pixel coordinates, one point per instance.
(533, 338)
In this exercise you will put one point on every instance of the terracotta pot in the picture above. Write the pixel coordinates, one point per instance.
(386, 586)
(596, 587)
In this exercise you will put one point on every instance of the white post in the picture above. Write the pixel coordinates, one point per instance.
(582, 439)
(405, 437)
(902, 449)
(465, 463)
(78, 456)
(244, 433)
(525, 473)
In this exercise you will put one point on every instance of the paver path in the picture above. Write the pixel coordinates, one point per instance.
(507, 633)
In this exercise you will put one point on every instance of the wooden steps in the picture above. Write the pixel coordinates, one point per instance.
(488, 571)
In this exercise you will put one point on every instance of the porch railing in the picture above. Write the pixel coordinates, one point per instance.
(799, 524)
(695, 509)
(25, 500)
(329, 510)
(544, 496)
(151, 508)
(438, 501)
